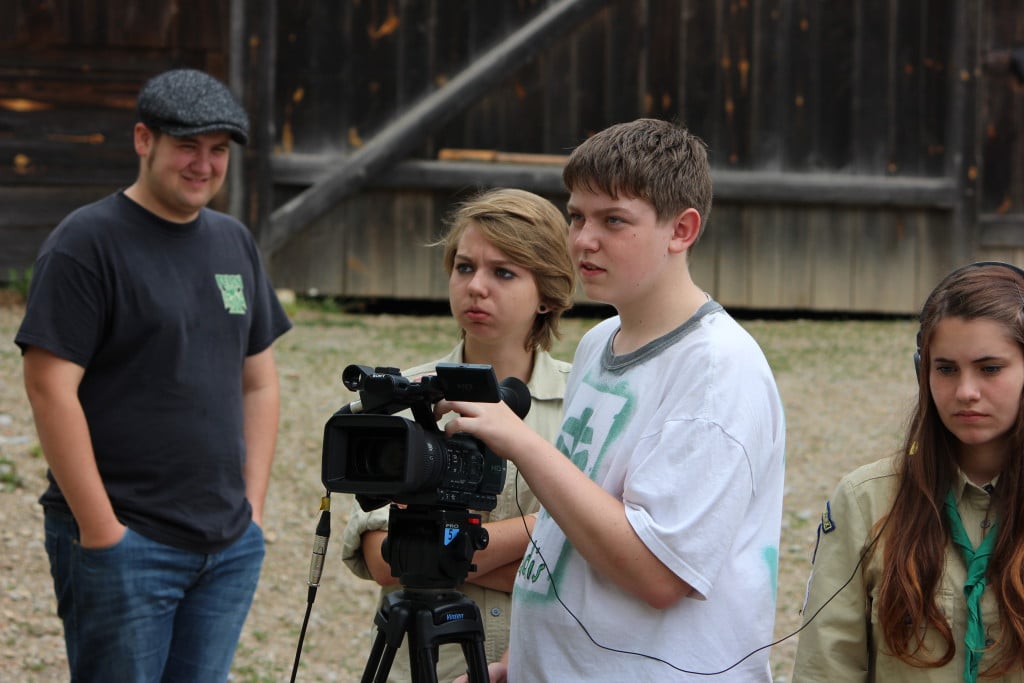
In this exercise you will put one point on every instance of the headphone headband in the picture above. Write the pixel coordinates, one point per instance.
(942, 283)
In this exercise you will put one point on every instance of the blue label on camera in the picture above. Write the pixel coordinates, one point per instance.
(449, 535)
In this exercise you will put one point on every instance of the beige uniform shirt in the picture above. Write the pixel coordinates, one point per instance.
(547, 388)
(843, 642)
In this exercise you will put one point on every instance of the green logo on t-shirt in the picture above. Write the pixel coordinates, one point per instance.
(595, 418)
(233, 293)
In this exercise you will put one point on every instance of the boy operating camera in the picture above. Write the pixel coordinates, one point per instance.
(662, 498)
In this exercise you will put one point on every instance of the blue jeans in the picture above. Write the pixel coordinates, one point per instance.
(143, 612)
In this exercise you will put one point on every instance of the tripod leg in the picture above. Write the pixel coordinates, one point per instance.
(385, 666)
(374, 661)
(423, 664)
(392, 620)
(430, 628)
(476, 661)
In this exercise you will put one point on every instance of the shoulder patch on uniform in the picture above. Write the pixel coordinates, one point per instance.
(827, 525)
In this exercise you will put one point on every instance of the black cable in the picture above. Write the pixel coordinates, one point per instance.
(316, 568)
(804, 625)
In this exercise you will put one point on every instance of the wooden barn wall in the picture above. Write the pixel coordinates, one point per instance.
(822, 259)
(860, 88)
(891, 91)
(69, 76)
(386, 257)
(755, 256)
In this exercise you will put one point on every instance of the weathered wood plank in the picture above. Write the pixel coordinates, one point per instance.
(45, 205)
(937, 253)
(999, 231)
(20, 246)
(939, 33)
(871, 86)
(557, 65)
(795, 240)
(30, 213)
(831, 244)
(798, 126)
(733, 257)
(420, 272)
(698, 81)
(318, 263)
(733, 134)
(373, 264)
(905, 98)
(768, 240)
(834, 87)
(884, 256)
(624, 66)
(965, 125)
(767, 76)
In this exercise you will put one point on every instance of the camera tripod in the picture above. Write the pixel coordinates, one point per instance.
(431, 551)
(430, 617)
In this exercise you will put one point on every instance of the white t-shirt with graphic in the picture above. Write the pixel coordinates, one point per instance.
(689, 433)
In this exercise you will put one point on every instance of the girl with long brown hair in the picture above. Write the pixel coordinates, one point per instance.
(919, 568)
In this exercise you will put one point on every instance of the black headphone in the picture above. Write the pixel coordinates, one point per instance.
(976, 264)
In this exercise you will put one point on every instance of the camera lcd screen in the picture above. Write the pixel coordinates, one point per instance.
(468, 382)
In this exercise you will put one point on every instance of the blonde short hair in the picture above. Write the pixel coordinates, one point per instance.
(533, 233)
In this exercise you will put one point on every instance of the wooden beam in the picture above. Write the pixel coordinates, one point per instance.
(499, 157)
(766, 187)
(400, 137)
(1000, 231)
(733, 186)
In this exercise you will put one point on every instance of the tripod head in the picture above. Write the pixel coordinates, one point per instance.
(432, 548)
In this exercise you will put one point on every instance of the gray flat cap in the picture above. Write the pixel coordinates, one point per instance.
(186, 102)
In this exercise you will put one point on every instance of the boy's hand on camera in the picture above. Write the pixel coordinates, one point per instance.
(493, 423)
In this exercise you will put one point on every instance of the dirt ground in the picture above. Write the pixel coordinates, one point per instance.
(846, 387)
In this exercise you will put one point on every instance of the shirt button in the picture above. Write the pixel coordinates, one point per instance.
(495, 611)
(985, 524)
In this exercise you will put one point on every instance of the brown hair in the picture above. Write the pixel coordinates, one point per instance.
(657, 161)
(533, 233)
(917, 531)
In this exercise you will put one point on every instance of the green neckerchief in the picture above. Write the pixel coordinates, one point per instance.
(977, 564)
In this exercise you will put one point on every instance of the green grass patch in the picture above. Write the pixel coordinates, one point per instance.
(10, 480)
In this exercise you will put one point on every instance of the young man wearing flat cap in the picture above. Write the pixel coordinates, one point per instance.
(148, 364)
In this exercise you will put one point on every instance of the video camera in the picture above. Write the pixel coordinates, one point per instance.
(381, 457)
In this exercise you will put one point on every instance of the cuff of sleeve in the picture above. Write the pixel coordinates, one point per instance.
(352, 538)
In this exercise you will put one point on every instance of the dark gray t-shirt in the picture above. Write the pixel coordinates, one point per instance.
(162, 316)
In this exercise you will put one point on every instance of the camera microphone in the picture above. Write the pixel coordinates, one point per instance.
(516, 395)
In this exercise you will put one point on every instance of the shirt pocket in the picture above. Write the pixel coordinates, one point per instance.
(890, 668)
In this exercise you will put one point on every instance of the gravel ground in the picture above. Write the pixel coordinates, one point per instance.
(846, 388)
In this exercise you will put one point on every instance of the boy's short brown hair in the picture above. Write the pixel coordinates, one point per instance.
(657, 161)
